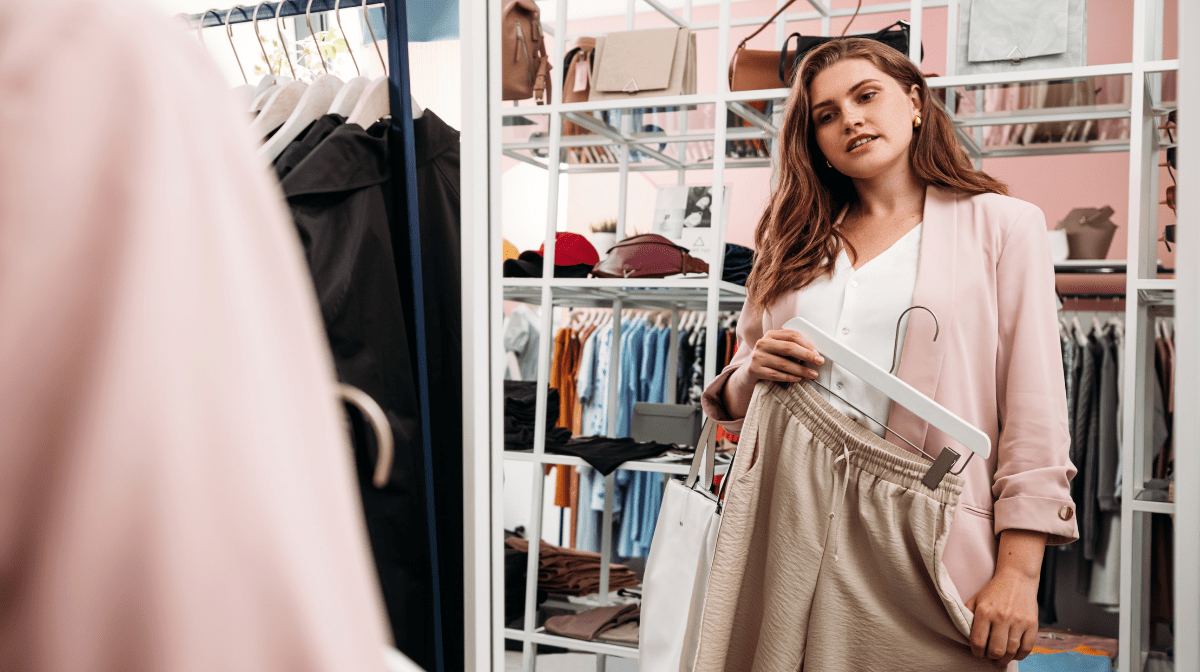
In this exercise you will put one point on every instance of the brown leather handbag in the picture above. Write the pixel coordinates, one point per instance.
(577, 83)
(754, 69)
(525, 65)
(647, 256)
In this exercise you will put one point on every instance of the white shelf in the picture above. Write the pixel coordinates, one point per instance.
(674, 468)
(1153, 507)
(665, 293)
(540, 636)
(1156, 292)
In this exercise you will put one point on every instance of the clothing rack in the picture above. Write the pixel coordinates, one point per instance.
(400, 98)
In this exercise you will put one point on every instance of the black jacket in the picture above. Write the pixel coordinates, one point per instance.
(339, 196)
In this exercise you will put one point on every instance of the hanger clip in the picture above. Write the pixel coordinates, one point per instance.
(941, 466)
(1016, 55)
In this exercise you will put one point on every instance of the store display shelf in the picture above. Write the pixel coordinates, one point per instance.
(1156, 292)
(1153, 507)
(674, 468)
(1054, 148)
(665, 293)
(1099, 266)
(1044, 115)
(654, 167)
(659, 103)
(540, 636)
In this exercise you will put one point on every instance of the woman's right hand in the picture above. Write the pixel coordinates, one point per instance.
(785, 355)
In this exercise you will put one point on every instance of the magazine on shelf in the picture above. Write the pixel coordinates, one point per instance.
(684, 216)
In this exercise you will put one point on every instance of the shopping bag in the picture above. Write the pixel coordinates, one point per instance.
(677, 569)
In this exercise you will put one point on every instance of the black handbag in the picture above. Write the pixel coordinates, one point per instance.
(895, 36)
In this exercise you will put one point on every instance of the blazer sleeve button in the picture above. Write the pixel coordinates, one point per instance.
(1066, 513)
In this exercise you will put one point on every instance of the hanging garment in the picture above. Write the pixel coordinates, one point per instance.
(683, 370)
(793, 589)
(338, 197)
(305, 143)
(564, 375)
(521, 338)
(630, 380)
(593, 382)
(1107, 456)
(695, 390)
(1089, 524)
(175, 475)
(587, 530)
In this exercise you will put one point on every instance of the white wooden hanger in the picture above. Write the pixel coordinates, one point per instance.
(313, 104)
(971, 437)
(279, 106)
(261, 100)
(375, 102)
(343, 104)
(270, 80)
(244, 93)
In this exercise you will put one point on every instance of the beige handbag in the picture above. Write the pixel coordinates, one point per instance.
(647, 63)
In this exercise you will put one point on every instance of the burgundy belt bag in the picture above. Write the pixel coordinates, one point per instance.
(647, 256)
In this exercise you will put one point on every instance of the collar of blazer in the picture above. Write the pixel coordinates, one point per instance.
(937, 271)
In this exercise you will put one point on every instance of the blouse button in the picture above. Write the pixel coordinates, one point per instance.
(840, 385)
(1066, 513)
(845, 331)
(854, 283)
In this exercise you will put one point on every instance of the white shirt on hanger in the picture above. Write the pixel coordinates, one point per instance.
(860, 308)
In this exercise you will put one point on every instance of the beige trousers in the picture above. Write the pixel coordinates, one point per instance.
(829, 555)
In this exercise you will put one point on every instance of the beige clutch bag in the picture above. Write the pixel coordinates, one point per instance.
(644, 63)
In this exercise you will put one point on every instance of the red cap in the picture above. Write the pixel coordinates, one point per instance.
(571, 249)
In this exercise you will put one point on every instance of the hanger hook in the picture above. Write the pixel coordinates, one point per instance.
(337, 13)
(200, 25)
(367, 20)
(282, 39)
(258, 38)
(937, 329)
(316, 42)
(229, 34)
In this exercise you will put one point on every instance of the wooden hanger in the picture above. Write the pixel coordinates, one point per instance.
(971, 437)
(270, 80)
(261, 100)
(244, 93)
(313, 104)
(384, 441)
(343, 104)
(375, 101)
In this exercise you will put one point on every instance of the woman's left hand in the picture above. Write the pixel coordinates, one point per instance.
(1006, 610)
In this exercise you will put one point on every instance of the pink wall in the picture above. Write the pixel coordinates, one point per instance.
(1056, 184)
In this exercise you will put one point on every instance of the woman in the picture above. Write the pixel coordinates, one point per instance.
(877, 210)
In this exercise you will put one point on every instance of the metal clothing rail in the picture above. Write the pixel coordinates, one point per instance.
(400, 96)
(266, 11)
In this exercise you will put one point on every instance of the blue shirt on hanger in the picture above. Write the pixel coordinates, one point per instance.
(632, 345)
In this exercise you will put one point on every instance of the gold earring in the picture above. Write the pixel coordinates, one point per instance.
(828, 164)
(916, 121)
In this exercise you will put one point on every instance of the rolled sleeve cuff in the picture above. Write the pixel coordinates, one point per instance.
(1055, 517)
(714, 405)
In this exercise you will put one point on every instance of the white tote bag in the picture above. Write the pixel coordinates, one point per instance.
(678, 566)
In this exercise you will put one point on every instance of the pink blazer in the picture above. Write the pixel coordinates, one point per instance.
(985, 271)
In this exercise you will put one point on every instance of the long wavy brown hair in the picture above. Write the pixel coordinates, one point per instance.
(796, 239)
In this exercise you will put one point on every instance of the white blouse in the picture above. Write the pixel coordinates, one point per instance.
(860, 308)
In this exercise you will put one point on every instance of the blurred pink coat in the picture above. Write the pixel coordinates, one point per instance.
(985, 271)
(176, 492)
